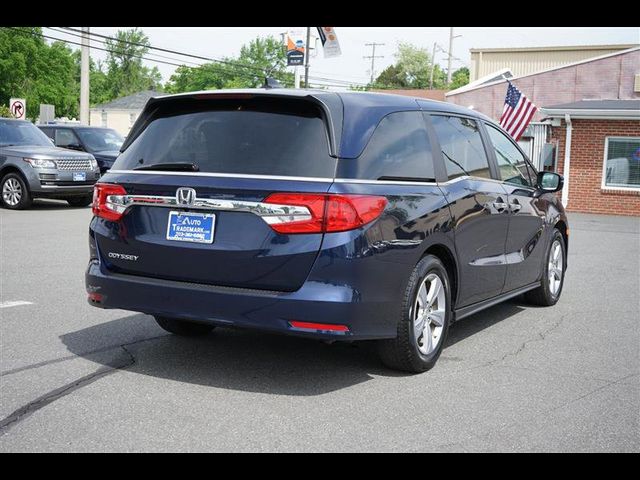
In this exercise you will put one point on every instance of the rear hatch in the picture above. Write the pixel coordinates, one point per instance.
(244, 149)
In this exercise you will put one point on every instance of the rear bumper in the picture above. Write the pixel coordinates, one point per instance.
(314, 302)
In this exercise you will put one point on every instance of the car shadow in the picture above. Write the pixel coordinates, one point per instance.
(51, 204)
(250, 361)
(477, 322)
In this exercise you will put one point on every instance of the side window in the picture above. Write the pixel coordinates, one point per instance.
(461, 146)
(399, 149)
(512, 164)
(65, 137)
(48, 132)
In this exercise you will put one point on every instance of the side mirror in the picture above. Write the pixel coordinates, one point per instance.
(75, 146)
(549, 182)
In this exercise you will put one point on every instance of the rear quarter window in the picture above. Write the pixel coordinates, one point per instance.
(399, 149)
(240, 137)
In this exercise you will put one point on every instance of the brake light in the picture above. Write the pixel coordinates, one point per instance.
(327, 212)
(105, 204)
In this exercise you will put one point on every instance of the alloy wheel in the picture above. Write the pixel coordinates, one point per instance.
(11, 192)
(429, 312)
(555, 268)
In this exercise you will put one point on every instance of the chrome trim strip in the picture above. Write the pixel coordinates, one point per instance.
(270, 212)
(383, 182)
(300, 179)
(226, 175)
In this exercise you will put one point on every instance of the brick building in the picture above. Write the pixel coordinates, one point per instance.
(598, 152)
(593, 107)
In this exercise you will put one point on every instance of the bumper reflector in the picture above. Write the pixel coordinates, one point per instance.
(319, 326)
(95, 297)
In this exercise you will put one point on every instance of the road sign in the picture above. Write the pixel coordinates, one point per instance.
(18, 108)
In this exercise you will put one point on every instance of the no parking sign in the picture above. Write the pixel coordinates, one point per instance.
(18, 108)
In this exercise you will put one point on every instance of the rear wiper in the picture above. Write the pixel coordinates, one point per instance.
(174, 167)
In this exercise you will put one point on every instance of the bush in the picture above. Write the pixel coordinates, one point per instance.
(5, 112)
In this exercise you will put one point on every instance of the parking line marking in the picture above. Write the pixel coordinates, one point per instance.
(15, 303)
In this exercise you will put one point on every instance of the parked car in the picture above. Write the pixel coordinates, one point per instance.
(31, 167)
(337, 216)
(103, 143)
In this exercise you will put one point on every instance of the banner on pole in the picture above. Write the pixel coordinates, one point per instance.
(295, 47)
(330, 43)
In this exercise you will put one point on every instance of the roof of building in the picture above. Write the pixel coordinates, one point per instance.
(469, 87)
(556, 48)
(598, 105)
(596, 109)
(135, 101)
(429, 94)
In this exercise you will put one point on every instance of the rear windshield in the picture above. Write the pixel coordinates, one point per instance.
(260, 137)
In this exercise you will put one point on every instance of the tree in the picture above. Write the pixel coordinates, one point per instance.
(261, 57)
(412, 69)
(125, 72)
(459, 78)
(36, 71)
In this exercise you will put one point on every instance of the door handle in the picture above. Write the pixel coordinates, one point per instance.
(515, 207)
(500, 206)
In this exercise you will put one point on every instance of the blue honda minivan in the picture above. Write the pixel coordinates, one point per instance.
(340, 216)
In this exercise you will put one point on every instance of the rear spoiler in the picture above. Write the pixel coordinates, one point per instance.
(329, 103)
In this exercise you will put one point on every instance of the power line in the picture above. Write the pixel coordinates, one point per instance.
(329, 82)
(227, 72)
(176, 52)
(103, 42)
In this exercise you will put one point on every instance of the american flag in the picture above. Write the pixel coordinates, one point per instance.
(517, 112)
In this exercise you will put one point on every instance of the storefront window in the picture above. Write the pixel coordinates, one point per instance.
(622, 163)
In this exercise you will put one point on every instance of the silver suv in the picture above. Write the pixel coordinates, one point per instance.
(32, 167)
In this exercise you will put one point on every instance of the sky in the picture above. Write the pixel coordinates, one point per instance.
(218, 42)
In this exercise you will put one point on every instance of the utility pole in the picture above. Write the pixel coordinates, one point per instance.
(84, 77)
(373, 56)
(451, 37)
(307, 52)
(433, 65)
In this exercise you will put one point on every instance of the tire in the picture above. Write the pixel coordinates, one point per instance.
(14, 193)
(405, 352)
(548, 294)
(83, 201)
(183, 328)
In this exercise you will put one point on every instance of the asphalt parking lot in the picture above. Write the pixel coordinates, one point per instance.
(512, 378)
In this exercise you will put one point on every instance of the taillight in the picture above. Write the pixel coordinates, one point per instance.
(106, 203)
(327, 212)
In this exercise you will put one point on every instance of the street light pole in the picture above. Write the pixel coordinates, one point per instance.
(307, 52)
(451, 37)
(433, 65)
(84, 77)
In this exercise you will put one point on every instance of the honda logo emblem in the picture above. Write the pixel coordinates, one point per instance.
(185, 196)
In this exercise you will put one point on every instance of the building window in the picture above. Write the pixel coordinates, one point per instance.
(621, 163)
(104, 118)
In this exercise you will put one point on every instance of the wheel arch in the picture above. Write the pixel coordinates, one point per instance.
(447, 257)
(561, 225)
(13, 169)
